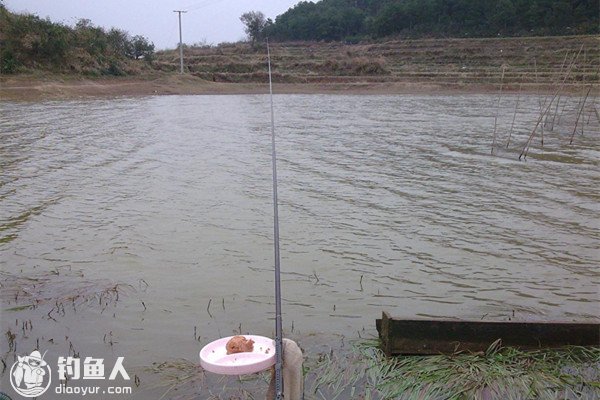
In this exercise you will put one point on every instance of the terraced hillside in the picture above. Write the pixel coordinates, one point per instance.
(454, 63)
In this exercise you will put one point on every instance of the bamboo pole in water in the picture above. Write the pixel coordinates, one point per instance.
(537, 83)
(543, 113)
(558, 80)
(512, 126)
(593, 110)
(555, 113)
(562, 110)
(498, 109)
(542, 128)
(579, 114)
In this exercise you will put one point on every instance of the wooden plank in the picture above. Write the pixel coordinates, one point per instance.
(402, 336)
(386, 343)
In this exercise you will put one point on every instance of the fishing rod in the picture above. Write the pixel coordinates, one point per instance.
(278, 329)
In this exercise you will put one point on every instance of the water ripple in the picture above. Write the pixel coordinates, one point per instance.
(387, 202)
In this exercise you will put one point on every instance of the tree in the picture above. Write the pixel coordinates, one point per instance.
(363, 19)
(90, 38)
(120, 42)
(30, 42)
(255, 23)
(501, 15)
(141, 48)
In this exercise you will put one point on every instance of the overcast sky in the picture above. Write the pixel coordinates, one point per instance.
(213, 21)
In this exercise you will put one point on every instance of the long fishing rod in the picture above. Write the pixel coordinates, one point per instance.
(278, 329)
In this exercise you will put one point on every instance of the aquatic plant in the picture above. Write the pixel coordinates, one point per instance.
(183, 379)
(364, 372)
(59, 289)
(499, 373)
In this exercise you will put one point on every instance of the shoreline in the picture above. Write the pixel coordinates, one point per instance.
(42, 88)
(530, 65)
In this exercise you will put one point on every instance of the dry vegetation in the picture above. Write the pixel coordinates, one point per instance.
(452, 63)
(532, 65)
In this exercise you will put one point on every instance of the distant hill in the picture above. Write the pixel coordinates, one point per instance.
(354, 20)
(28, 42)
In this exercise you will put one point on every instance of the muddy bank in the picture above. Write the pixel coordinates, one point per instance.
(34, 88)
(533, 65)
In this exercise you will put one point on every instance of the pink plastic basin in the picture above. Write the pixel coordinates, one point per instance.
(214, 358)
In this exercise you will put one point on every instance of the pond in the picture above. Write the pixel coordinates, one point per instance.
(386, 203)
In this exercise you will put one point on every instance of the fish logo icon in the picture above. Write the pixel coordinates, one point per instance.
(30, 376)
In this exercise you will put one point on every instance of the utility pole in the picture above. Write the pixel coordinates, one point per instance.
(180, 42)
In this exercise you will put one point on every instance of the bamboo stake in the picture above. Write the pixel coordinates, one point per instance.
(555, 113)
(592, 107)
(597, 113)
(537, 83)
(579, 102)
(542, 133)
(526, 147)
(498, 109)
(562, 111)
(579, 114)
(528, 143)
(514, 116)
(558, 101)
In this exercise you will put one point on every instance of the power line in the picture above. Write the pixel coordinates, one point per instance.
(202, 4)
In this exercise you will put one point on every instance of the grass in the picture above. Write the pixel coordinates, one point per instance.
(182, 379)
(500, 373)
(365, 373)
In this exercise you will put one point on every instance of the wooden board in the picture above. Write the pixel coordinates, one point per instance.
(402, 336)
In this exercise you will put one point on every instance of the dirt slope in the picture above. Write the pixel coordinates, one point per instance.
(395, 66)
(443, 62)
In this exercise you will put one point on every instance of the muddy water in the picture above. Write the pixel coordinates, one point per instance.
(386, 203)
